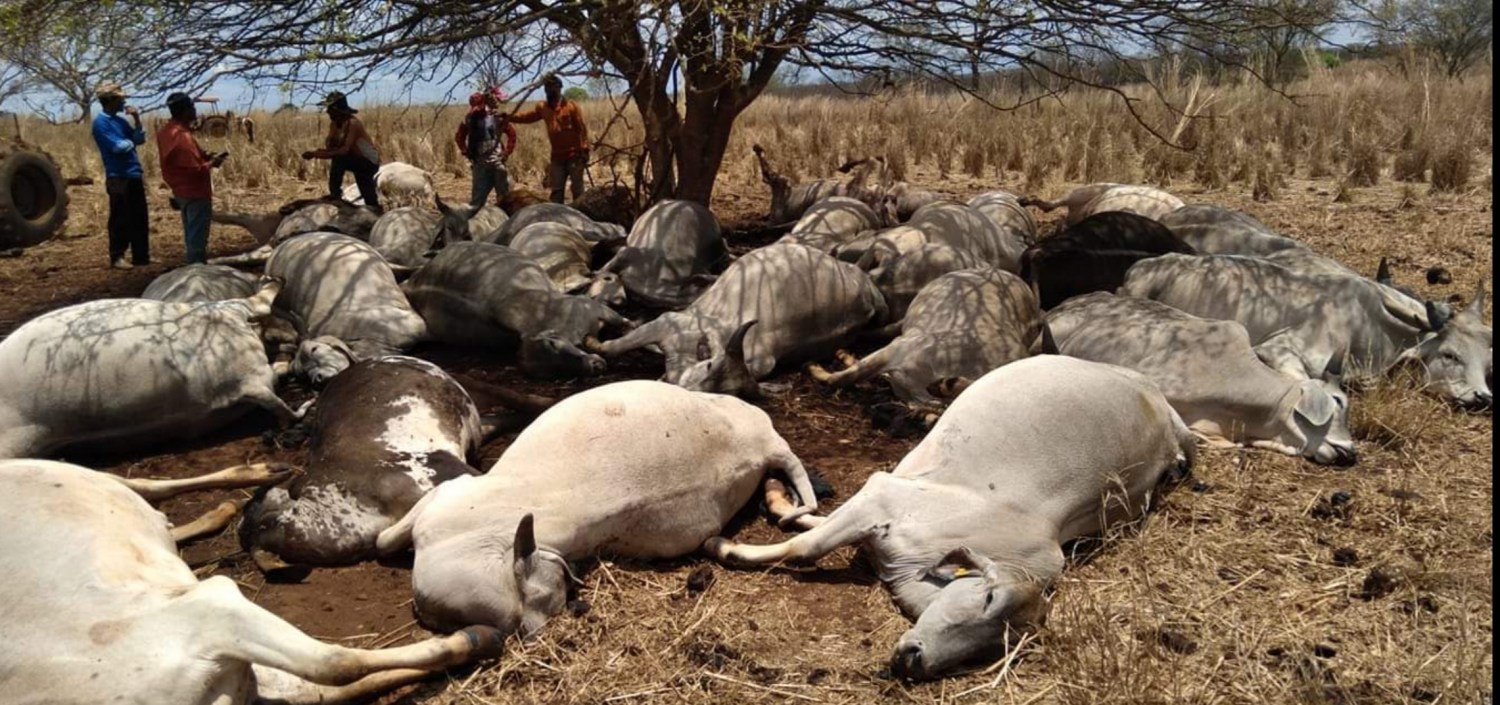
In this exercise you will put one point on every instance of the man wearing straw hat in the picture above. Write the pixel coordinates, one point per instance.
(188, 170)
(118, 138)
(348, 148)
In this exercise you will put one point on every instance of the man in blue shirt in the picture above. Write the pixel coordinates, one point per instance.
(118, 139)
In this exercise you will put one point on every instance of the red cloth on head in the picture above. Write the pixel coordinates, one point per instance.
(476, 100)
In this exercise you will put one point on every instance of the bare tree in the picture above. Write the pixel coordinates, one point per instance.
(1454, 32)
(693, 66)
(13, 82)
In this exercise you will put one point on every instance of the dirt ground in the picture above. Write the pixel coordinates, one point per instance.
(1248, 585)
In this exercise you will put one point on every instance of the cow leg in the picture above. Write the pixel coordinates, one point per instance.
(859, 371)
(780, 504)
(265, 398)
(855, 521)
(642, 336)
(243, 631)
(212, 521)
(277, 688)
(238, 476)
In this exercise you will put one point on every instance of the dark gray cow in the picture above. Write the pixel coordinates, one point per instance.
(476, 293)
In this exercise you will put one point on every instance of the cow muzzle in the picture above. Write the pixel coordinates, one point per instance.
(906, 662)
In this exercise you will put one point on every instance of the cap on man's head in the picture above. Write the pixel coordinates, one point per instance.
(109, 89)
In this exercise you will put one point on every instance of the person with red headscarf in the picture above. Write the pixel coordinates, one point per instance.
(486, 138)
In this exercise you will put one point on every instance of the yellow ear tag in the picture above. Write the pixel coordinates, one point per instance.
(961, 572)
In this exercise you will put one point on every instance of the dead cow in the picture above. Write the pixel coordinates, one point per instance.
(1300, 322)
(668, 256)
(399, 185)
(199, 283)
(1094, 254)
(1215, 230)
(664, 469)
(100, 608)
(1084, 201)
(384, 433)
(293, 219)
(406, 236)
(967, 531)
(1210, 374)
(800, 301)
(339, 287)
(475, 293)
(900, 280)
(831, 223)
(961, 326)
(133, 372)
(549, 212)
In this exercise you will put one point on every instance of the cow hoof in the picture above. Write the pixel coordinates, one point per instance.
(718, 548)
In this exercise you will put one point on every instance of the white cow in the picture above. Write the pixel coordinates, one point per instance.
(967, 531)
(1299, 322)
(662, 471)
(832, 222)
(131, 372)
(1215, 230)
(1210, 374)
(99, 608)
(1085, 201)
(399, 185)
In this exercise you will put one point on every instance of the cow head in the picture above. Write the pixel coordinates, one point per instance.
(980, 612)
(1455, 359)
(724, 372)
(549, 355)
(607, 289)
(514, 589)
(454, 225)
(320, 359)
(1318, 418)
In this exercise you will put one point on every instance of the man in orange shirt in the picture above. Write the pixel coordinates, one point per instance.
(186, 168)
(566, 132)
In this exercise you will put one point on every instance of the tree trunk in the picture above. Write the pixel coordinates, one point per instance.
(702, 141)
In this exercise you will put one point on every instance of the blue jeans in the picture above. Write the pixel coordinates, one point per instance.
(488, 178)
(196, 214)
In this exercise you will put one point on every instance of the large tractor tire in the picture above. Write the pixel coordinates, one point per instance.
(214, 126)
(33, 198)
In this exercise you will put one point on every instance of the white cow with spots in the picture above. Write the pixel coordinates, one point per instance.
(384, 433)
(99, 608)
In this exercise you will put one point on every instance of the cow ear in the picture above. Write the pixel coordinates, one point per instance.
(525, 543)
(963, 563)
(1049, 344)
(705, 350)
(1333, 372)
(1383, 273)
(1315, 404)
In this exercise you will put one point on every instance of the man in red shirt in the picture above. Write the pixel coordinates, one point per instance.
(186, 168)
(487, 140)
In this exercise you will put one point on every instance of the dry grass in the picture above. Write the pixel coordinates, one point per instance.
(1262, 579)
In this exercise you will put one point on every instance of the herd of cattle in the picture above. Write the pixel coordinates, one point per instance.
(1058, 375)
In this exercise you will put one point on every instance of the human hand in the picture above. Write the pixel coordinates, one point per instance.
(132, 111)
(307, 155)
(218, 159)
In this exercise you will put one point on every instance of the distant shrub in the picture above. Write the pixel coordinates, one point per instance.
(576, 93)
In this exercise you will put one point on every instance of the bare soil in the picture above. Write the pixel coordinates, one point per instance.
(1238, 589)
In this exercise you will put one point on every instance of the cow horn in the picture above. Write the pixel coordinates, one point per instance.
(442, 207)
(1476, 307)
(1049, 344)
(525, 544)
(1383, 273)
(1435, 319)
(735, 348)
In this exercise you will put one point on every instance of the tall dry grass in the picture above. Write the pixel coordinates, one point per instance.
(1357, 123)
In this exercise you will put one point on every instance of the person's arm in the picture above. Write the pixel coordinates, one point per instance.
(583, 127)
(462, 137)
(510, 136)
(525, 116)
(108, 134)
(139, 136)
